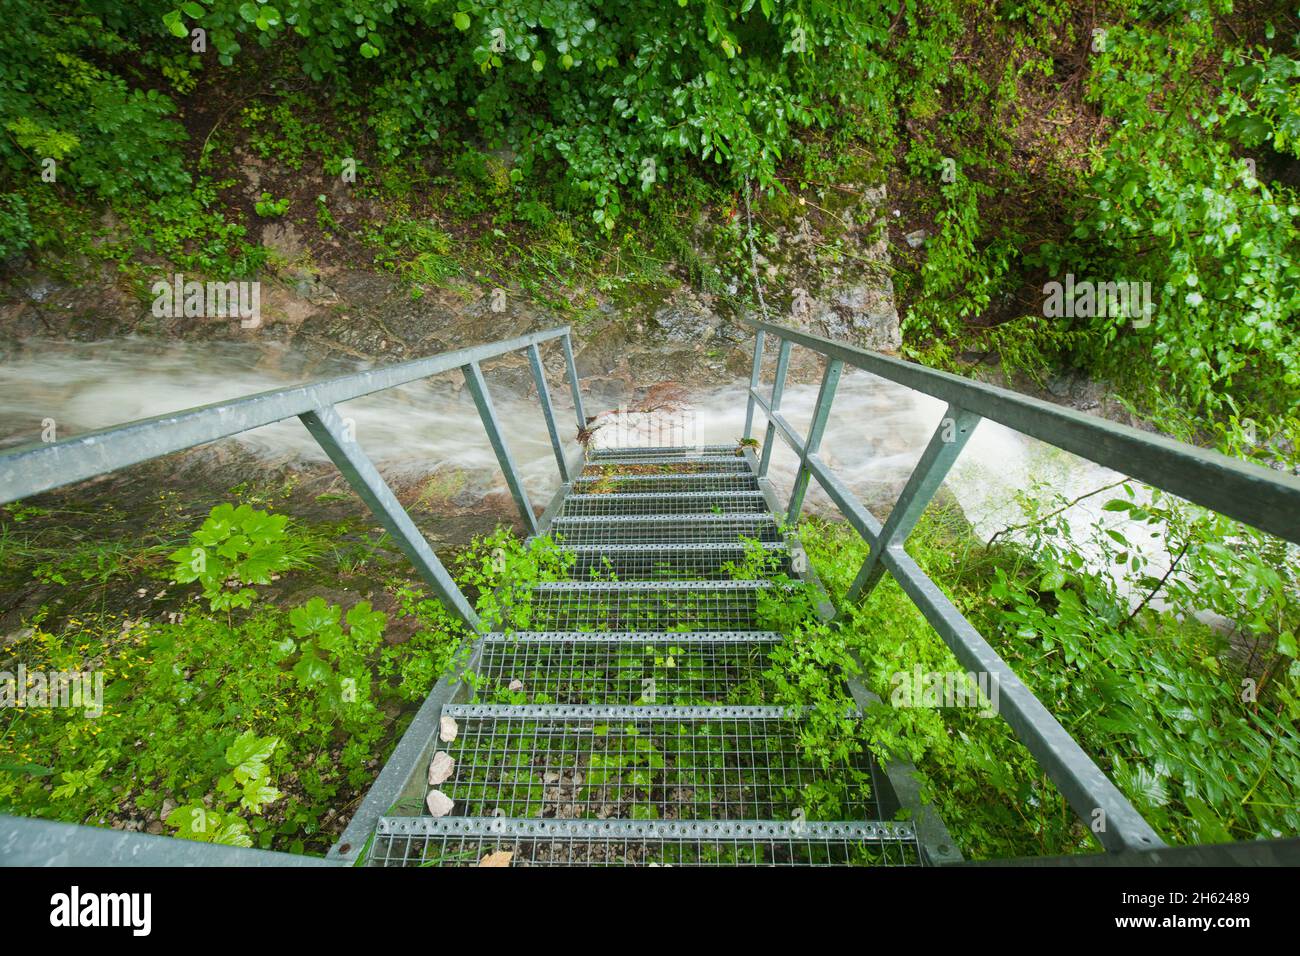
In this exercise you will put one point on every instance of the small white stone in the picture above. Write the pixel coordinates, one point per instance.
(439, 803)
(447, 729)
(440, 767)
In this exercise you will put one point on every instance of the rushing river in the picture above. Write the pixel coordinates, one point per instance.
(873, 439)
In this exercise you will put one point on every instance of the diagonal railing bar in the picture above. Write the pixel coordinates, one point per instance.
(572, 368)
(343, 449)
(1097, 801)
(821, 413)
(946, 444)
(548, 412)
(488, 413)
(774, 404)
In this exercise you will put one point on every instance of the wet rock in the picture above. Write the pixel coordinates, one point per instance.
(834, 278)
(308, 285)
(684, 318)
(865, 314)
(282, 238)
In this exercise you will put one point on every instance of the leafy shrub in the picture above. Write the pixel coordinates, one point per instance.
(1177, 209)
(57, 102)
(235, 547)
(15, 228)
(619, 94)
(248, 726)
(1154, 697)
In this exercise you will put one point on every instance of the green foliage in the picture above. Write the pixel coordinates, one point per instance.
(1269, 108)
(190, 230)
(621, 96)
(331, 663)
(1167, 196)
(236, 547)
(1156, 698)
(807, 671)
(16, 232)
(503, 570)
(1180, 210)
(247, 784)
(269, 207)
(57, 102)
(248, 725)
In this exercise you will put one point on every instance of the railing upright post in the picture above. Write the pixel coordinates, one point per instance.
(755, 376)
(774, 405)
(544, 396)
(336, 438)
(488, 413)
(573, 382)
(821, 414)
(947, 442)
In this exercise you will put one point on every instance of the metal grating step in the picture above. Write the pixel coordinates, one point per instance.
(643, 605)
(663, 451)
(666, 465)
(625, 667)
(658, 503)
(665, 529)
(467, 841)
(655, 562)
(715, 481)
(645, 762)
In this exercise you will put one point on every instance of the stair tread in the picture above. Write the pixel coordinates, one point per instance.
(699, 637)
(548, 841)
(621, 761)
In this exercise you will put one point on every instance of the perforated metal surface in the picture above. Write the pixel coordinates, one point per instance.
(454, 841)
(660, 503)
(662, 451)
(626, 721)
(715, 481)
(667, 465)
(645, 606)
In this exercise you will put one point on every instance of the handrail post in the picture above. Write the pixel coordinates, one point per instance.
(821, 414)
(774, 405)
(488, 413)
(947, 442)
(755, 376)
(572, 367)
(544, 396)
(336, 438)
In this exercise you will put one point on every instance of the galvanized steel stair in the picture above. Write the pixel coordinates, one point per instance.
(627, 725)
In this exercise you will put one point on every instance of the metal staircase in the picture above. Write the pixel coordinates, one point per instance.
(632, 723)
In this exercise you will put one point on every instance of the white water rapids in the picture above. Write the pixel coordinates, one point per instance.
(873, 439)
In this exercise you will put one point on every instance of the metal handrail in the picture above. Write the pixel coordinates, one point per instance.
(39, 467)
(1252, 494)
